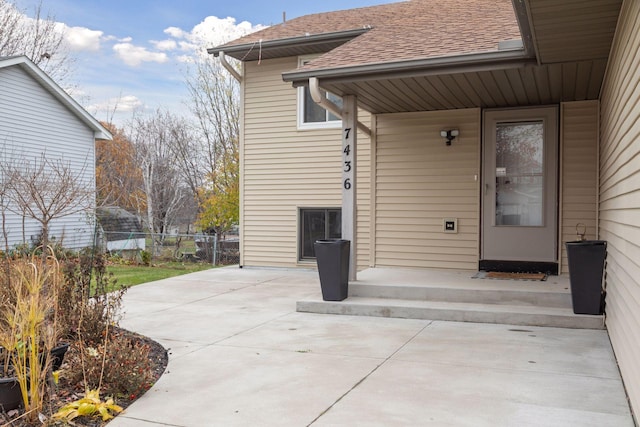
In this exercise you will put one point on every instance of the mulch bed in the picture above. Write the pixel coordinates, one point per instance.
(68, 393)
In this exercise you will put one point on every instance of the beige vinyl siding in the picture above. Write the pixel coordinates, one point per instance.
(419, 182)
(285, 169)
(619, 220)
(579, 162)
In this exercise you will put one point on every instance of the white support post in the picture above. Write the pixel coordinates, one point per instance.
(349, 193)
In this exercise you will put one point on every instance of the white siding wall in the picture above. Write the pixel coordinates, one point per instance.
(419, 182)
(579, 184)
(285, 169)
(620, 195)
(33, 122)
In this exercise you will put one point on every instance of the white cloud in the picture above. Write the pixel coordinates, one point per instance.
(175, 32)
(212, 31)
(164, 44)
(122, 104)
(186, 59)
(82, 39)
(135, 55)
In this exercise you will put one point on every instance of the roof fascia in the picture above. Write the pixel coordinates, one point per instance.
(301, 41)
(99, 131)
(415, 68)
(523, 16)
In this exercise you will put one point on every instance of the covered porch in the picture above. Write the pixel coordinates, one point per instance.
(457, 295)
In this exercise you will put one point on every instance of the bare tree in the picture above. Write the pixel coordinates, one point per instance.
(4, 189)
(40, 38)
(215, 102)
(165, 191)
(46, 189)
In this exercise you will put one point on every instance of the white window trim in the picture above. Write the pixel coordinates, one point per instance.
(302, 125)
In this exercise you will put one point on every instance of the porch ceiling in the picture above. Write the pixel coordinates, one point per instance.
(527, 85)
(571, 40)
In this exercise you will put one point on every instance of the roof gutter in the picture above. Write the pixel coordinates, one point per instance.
(324, 102)
(244, 49)
(229, 67)
(416, 68)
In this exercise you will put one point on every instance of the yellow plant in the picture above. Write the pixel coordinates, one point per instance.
(89, 406)
(27, 330)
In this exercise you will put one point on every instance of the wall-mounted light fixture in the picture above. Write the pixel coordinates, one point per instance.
(449, 135)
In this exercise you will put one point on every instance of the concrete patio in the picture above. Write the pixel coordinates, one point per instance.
(240, 355)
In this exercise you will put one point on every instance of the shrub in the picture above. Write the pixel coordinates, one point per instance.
(86, 308)
(127, 371)
(145, 256)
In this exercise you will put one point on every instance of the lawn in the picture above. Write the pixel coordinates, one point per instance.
(131, 275)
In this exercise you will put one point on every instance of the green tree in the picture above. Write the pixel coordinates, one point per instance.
(220, 200)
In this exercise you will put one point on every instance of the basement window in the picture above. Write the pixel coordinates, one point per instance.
(310, 114)
(317, 224)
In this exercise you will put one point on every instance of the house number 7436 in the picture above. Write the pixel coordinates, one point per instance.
(347, 159)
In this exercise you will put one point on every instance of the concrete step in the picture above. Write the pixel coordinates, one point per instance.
(523, 315)
(503, 295)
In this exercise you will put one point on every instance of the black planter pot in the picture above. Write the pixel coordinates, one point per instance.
(57, 356)
(332, 257)
(10, 394)
(586, 268)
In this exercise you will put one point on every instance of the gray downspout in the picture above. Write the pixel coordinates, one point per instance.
(325, 103)
(229, 67)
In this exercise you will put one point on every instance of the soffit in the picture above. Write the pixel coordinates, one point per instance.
(512, 87)
(572, 30)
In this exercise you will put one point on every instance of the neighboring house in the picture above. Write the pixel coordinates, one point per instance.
(552, 82)
(121, 230)
(38, 118)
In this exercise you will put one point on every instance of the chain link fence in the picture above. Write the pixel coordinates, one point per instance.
(173, 247)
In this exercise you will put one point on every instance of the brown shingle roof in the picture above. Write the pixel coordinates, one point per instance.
(321, 23)
(414, 29)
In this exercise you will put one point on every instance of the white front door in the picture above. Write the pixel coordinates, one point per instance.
(520, 182)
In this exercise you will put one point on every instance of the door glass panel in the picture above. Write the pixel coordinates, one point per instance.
(519, 174)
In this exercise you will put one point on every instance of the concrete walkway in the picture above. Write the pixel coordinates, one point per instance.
(241, 356)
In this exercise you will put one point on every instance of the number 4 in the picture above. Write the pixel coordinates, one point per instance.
(347, 150)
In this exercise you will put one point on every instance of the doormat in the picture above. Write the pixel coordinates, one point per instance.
(499, 275)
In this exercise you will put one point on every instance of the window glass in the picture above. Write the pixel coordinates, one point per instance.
(310, 114)
(336, 100)
(334, 229)
(313, 113)
(318, 224)
(520, 174)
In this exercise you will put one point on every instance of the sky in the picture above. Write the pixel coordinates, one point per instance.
(134, 54)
